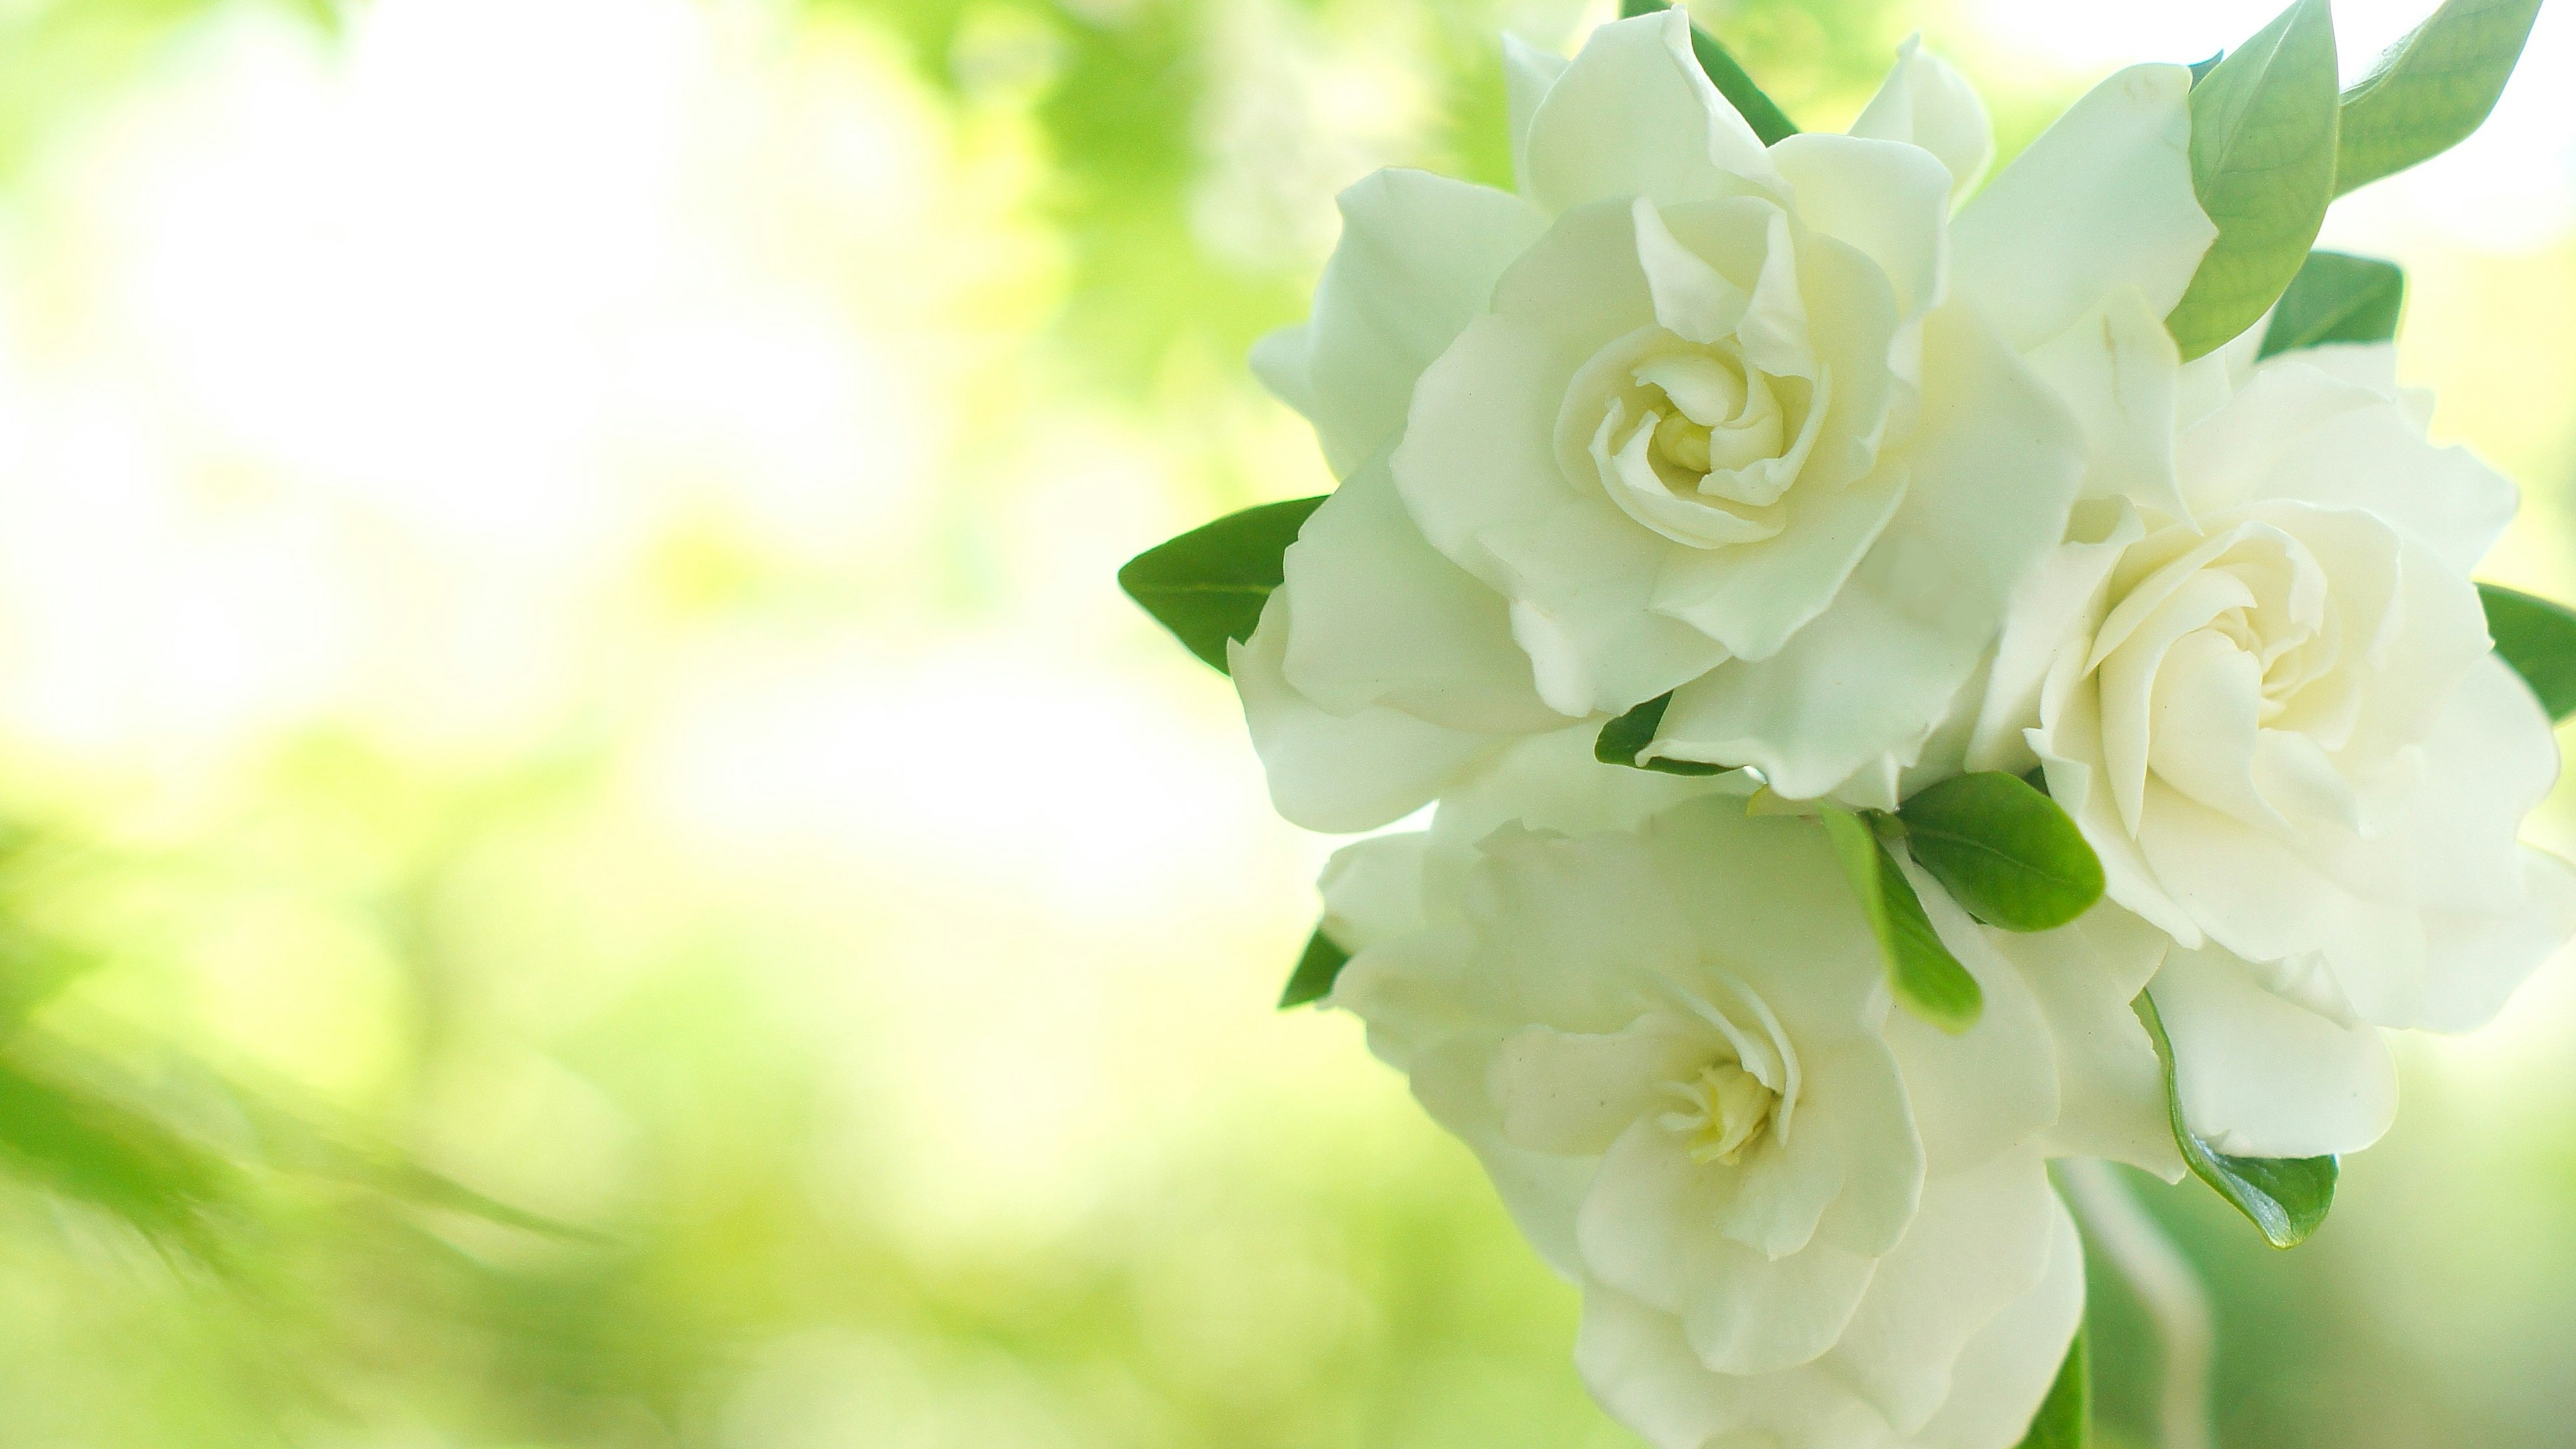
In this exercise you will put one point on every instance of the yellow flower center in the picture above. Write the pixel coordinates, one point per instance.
(1728, 1110)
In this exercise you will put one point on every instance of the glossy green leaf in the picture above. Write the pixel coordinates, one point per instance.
(1208, 585)
(2538, 638)
(1623, 738)
(2200, 69)
(2264, 124)
(2003, 850)
(2286, 1197)
(1768, 121)
(2431, 89)
(1316, 971)
(2337, 298)
(2065, 1417)
(1925, 976)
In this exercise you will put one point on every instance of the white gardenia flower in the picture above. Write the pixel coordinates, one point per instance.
(2264, 690)
(1661, 1023)
(1765, 428)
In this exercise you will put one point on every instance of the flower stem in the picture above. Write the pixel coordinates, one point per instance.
(2166, 1286)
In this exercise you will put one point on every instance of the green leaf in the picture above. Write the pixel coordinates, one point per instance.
(2337, 298)
(2431, 89)
(1768, 121)
(83, 1145)
(2065, 1417)
(2003, 850)
(1316, 972)
(2200, 69)
(2538, 638)
(2286, 1197)
(1623, 738)
(1925, 976)
(2263, 130)
(1208, 585)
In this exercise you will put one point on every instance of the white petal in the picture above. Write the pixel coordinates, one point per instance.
(1981, 1241)
(1890, 201)
(1334, 773)
(2008, 1368)
(1574, 1092)
(1479, 454)
(1643, 1231)
(1528, 74)
(1418, 258)
(1281, 361)
(1994, 469)
(1373, 890)
(2117, 370)
(1634, 115)
(2102, 200)
(2058, 598)
(1635, 1360)
(2476, 961)
(1377, 616)
(1541, 1190)
(2264, 1077)
(1924, 102)
(2299, 431)
(2110, 1082)
(1984, 1091)
(1553, 783)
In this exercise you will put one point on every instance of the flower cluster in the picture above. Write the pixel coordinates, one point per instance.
(1919, 675)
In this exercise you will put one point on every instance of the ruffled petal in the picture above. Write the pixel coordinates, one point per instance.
(2118, 371)
(1418, 258)
(2102, 200)
(1634, 115)
(1338, 773)
(1377, 616)
(1925, 103)
(2007, 1369)
(2265, 1077)
(2111, 1085)
(1991, 1088)
(1888, 200)
(1981, 1241)
(1528, 74)
(1644, 1230)
(1994, 469)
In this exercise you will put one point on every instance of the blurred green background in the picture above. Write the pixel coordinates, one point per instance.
(592, 859)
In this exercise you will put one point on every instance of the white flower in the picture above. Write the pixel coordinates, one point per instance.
(1662, 1025)
(1762, 426)
(2264, 690)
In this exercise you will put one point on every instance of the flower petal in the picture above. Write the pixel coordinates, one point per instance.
(1888, 200)
(2117, 370)
(1644, 1230)
(1575, 1092)
(1984, 1091)
(1336, 773)
(1377, 616)
(1528, 74)
(2102, 200)
(1994, 468)
(1418, 258)
(1372, 890)
(2110, 1082)
(2299, 431)
(1926, 103)
(1634, 115)
(1981, 1241)
(2007, 1370)
(2265, 1077)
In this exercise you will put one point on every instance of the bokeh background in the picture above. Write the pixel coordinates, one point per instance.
(592, 859)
